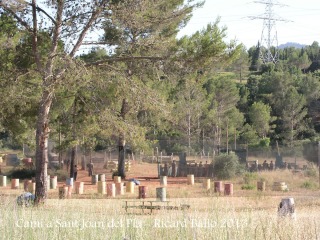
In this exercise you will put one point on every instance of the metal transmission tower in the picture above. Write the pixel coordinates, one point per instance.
(269, 39)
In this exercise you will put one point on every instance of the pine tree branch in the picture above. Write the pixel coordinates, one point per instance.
(123, 59)
(20, 20)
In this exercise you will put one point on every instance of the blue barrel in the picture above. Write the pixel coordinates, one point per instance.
(94, 179)
(69, 182)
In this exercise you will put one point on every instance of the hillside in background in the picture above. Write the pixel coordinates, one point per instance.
(291, 44)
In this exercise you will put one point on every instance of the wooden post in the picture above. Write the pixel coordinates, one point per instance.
(235, 139)
(158, 162)
(319, 161)
(60, 151)
(227, 137)
(247, 151)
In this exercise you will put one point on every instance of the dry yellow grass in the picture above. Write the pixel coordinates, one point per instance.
(248, 214)
(208, 218)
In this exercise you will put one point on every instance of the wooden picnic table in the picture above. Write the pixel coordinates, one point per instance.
(153, 205)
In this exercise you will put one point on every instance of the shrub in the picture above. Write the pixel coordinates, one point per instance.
(311, 171)
(248, 187)
(226, 166)
(308, 185)
(248, 177)
(264, 142)
(62, 175)
(22, 173)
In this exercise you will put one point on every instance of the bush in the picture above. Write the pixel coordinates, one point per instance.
(248, 187)
(22, 173)
(248, 177)
(265, 142)
(308, 185)
(311, 171)
(62, 175)
(226, 166)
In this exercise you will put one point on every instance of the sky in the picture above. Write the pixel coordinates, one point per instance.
(300, 20)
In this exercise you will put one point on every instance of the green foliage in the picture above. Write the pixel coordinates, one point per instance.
(267, 68)
(312, 171)
(249, 135)
(313, 51)
(175, 88)
(61, 174)
(226, 166)
(253, 53)
(309, 185)
(249, 177)
(22, 173)
(241, 65)
(248, 187)
(293, 113)
(259, 114)
(208, 45)
(263, 143)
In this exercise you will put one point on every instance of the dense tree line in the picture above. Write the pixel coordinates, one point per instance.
(141, 85)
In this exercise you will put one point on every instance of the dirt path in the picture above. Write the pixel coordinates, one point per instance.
(145, 173)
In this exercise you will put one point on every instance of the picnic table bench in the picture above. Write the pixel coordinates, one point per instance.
(153, 205)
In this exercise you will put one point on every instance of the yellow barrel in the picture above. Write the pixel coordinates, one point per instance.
(102, 187)
(79, 187)
(117, 179)
(130, 187)
(190, 178)
(206, 183)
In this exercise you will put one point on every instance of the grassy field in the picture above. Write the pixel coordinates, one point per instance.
(248, 214)
(208, 218)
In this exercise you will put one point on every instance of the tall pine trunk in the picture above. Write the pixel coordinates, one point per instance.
(74, 148)
(122, 141)
(42, 135)
(72, 161)
(121, 158)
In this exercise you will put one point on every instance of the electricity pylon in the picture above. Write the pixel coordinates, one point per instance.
(269, 39)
